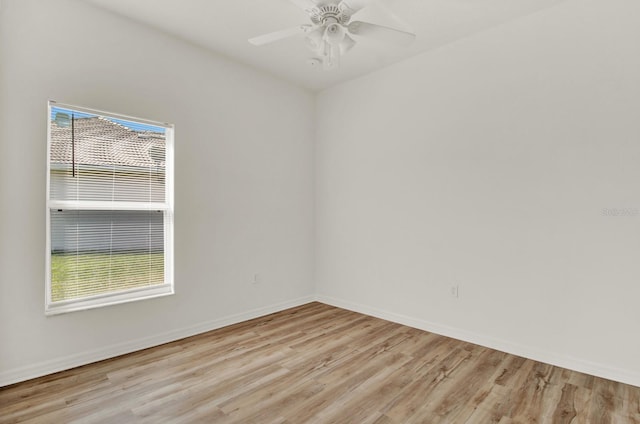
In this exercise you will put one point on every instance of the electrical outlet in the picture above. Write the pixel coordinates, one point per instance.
(454, 291)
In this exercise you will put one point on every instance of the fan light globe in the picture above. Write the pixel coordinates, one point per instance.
(335, 33)
(314, 39)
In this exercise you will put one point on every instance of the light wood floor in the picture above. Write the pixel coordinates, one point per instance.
(319, 364)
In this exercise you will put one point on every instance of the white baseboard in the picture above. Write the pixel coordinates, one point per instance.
(552, 358)
(87, 357)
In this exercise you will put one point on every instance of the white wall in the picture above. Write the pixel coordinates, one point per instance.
(487, 164)
(244, 172)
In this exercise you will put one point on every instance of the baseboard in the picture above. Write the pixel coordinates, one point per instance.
(60, 364)
(552, 358)
(87, 357)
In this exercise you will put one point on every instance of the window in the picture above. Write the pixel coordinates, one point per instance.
(109, 209)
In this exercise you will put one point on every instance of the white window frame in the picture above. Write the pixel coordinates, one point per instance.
(124, 296)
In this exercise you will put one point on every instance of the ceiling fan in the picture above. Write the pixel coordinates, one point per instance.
(329, 33)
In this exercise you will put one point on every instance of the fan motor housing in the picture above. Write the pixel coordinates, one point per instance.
(321, 14)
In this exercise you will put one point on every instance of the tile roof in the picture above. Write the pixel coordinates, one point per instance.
(101, 142)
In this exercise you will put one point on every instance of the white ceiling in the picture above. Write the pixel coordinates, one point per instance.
(224, 26)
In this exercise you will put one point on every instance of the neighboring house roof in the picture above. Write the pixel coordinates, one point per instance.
(100, 142)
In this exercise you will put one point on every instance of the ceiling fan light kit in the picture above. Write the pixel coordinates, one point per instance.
(329, 34)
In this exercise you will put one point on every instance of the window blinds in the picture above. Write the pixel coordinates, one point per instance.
(109, 209)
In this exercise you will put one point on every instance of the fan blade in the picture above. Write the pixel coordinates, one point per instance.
(390, 17)
(279, 35)
(381, 33)
(304, 4)
(354, 5)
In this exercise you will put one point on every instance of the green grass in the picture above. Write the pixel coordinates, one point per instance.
(77, 276)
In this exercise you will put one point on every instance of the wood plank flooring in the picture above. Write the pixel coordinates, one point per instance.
(319, 364)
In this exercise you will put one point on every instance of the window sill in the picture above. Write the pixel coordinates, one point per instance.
(108, 299)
